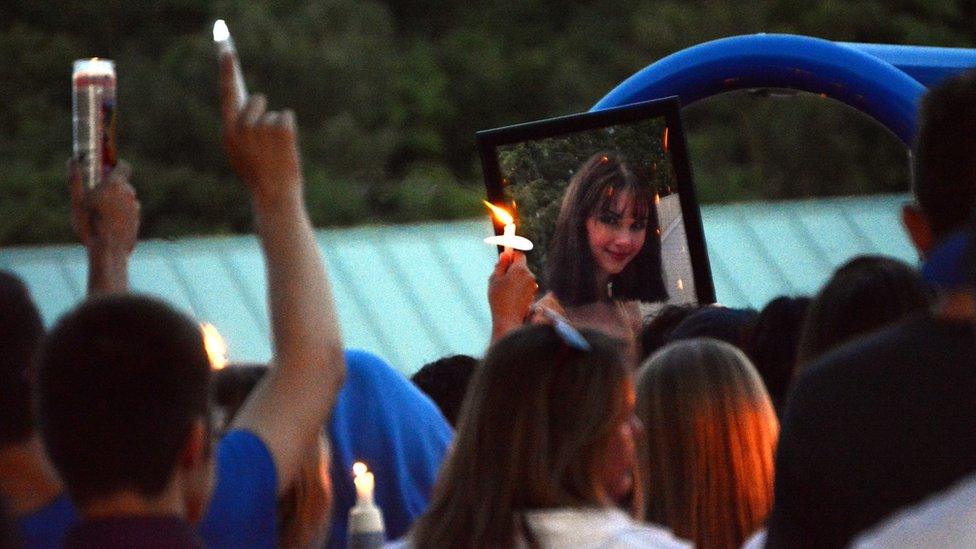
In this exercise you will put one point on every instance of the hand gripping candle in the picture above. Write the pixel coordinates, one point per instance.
(366, 529)
(93, 117)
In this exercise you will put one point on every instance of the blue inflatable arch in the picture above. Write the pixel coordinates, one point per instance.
(875, 79)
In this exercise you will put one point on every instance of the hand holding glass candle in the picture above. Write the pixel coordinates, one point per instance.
(508, 238)
(225, 45)
(366, 529)
(93, 118)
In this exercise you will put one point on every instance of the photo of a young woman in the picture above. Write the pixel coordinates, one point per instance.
(605, 255)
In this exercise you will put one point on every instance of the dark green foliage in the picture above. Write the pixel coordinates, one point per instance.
(389, 95)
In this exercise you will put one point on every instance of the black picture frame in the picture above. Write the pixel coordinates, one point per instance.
(491, 141)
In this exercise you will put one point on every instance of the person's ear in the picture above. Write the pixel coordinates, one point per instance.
(196, 448)
(195, 463)
(918, 228)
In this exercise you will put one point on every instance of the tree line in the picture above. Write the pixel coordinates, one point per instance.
(389, 94)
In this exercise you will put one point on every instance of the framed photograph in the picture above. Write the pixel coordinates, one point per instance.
(552, 176)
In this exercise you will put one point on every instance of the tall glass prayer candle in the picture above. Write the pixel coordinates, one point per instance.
(366, 530)
(93, 118)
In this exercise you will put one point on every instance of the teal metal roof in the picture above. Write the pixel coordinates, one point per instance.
(415, 293)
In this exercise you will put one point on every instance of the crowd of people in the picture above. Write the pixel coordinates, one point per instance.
(843, 418)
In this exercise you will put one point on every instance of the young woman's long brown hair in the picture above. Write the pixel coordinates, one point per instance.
(711, 433)
(532, 434)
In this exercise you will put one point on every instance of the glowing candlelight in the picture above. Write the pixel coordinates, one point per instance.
(508, 238)
(664, 139)
(215, 345)
(681, 284)
(364, 483)
(225, 46)
(366, 528)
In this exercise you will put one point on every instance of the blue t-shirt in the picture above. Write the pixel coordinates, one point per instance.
(242, 511)
(383, 420)
(46, 527)
(243, 507)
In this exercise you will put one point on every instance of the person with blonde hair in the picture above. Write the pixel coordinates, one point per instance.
(710, 439)
(545, 448)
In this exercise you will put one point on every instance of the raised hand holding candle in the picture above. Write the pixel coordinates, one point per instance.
(508, 238)
(366, 529)
(225, 45)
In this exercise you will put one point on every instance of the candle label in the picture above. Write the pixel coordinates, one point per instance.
(94, 118)
(366, 540)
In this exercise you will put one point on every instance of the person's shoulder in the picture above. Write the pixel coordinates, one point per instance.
(918, 339)
(647, 535)
(947, 519)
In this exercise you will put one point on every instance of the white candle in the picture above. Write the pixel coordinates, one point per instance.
(225, 45)
(365, 483)
(508, 238)
(366, 530)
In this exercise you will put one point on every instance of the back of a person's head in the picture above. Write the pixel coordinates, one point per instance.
(729, 324)
(945, 154)
(121, 381)
(657, 329)
(775, 341)
(446, 381)
(20, 333)
(711, 433)
(531, 434)
(863, 295)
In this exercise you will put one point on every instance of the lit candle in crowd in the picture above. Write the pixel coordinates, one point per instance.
(366, 529)
(215, 345)
(508, 238)
(225, 45)
(93, 117)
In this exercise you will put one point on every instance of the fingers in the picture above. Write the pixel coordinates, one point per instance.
(228, 96)
(504, 261)
(254, 109)
(120, 173)
(75, 185)
(288, 120)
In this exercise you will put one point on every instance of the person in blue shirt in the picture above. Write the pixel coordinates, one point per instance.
(264, 449)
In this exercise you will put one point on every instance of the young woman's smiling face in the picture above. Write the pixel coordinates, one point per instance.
(617, 234)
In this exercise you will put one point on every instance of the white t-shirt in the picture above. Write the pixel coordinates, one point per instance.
(589, 528)
(603, 527)
(946, 520)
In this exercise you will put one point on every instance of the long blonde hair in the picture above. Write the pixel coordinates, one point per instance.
(532, 434)
(711, 434)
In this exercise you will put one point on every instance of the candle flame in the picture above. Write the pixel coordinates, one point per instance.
(501, 214)
(215, 344)
(220, 31)
(359, 469)
(681, 284)
(665, 138)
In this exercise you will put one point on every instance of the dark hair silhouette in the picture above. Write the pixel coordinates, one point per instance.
(20, 334)
(865, 294)
(121, 380)
(945, 154)
(446, 381)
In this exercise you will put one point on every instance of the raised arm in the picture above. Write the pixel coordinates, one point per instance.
(106, 221)
(287, 410)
